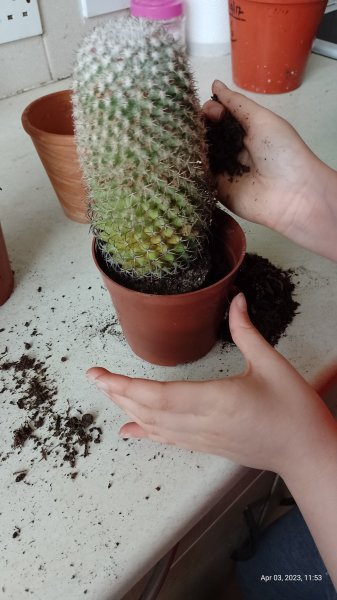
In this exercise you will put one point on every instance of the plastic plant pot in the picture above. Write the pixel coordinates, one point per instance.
(271, 42)
(173, 329)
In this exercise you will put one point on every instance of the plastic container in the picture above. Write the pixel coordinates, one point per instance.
(171, 330)
(271, 42)
(169, 13)
(207, 27)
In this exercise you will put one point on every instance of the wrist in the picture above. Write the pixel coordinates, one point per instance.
(316, 210)
(313, 485)
(313, 458)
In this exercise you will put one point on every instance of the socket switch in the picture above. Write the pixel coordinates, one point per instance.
(19, 19)
(92, 8)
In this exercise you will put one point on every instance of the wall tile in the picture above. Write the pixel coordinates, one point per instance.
(28, 63)
(23, 65)
(64, 27)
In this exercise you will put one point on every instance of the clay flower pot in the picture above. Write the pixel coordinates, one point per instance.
(271, 42)
(6, 273)
(48, 120)
(172, 329)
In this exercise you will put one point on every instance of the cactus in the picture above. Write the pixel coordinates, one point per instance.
(142, 147)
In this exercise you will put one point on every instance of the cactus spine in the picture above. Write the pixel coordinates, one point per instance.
(141, 143)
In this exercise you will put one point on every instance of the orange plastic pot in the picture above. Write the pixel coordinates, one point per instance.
(6, 273)
(271, 42)
(48, 120)
(180, 328)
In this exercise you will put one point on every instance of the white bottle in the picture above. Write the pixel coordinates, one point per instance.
(207, 27)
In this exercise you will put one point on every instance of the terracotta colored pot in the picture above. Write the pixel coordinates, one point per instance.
(169, 330)
(271, 42)
(6, 273)
(48, 120)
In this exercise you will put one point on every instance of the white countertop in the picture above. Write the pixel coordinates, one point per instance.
(94, 536)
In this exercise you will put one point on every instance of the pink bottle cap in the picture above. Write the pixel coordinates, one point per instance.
(157, 10)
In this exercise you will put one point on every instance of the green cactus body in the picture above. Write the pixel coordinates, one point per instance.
(141, 143)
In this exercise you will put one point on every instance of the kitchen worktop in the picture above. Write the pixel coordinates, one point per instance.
(92, 527)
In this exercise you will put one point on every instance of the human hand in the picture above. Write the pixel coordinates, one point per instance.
(277, 191)
(267, 417)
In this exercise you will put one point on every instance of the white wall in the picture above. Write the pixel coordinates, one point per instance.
(31, 62)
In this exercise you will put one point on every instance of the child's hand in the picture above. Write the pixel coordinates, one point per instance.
(267, 418)
(279, 189)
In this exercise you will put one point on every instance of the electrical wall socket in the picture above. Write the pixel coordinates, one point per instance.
(19, 19)
(92, 8)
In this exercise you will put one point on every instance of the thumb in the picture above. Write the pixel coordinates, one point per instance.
(241, 107)
(247, 338)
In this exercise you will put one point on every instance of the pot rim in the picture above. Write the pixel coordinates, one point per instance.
(32, 130)
(285, 3)
(185, 294)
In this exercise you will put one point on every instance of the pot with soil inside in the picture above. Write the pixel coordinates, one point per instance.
(160, 241)
(178, 328)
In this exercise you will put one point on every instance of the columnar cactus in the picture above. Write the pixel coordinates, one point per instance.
(141, 143)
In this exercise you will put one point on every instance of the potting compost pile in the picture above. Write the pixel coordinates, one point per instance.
(269, 294)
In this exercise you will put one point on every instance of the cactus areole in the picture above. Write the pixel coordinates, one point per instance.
(142, 147)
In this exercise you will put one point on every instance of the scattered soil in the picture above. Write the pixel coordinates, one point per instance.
(44, 426)
(20, 476)
(269, 293)
(225, 142)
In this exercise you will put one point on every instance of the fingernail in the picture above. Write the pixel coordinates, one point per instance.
(216, 111)
(90, 378)
(102, 385)
(218, 83)
(241, 302)
(122, 434)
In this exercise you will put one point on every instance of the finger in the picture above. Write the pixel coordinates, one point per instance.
(132, 430)
(153, 420)
(244, 109)
(247, 338)
(176, 396)
(143, 390)
(213, 110)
